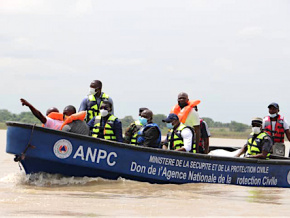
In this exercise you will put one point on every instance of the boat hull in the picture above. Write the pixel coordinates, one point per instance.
(71, 154)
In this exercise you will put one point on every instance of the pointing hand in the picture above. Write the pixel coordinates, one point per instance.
(24, 102)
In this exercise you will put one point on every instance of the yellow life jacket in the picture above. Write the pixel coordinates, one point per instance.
(177, 141)
(93, 109)
(108, 132)
(254, 147)
(135, 134)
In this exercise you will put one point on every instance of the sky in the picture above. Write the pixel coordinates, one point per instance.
(234, 56)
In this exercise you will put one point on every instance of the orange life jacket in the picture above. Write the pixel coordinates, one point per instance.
(77, 116)
(182, 114)
(278, 134)
(55, 116)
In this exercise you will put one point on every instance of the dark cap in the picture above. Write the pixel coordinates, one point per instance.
(141, 109)
(275, 105)
(170, 118)
(257, 120)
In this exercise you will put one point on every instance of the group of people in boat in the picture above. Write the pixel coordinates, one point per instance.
(186, 131)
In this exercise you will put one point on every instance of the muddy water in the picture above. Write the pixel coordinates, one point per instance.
(45, 195)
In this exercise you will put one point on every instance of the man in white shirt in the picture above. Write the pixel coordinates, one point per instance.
(180, 137)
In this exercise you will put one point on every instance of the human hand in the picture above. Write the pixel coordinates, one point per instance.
(24, 102)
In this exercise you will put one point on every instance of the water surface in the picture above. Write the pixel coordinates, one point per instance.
(45, 195)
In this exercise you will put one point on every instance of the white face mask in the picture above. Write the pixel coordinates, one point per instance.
(104, 112)
(256, 130)
(273, 115)
(92, 91)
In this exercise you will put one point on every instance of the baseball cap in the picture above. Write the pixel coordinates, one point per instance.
(274, 105)
(170, 118)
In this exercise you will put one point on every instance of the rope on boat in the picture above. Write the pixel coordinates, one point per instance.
(20, 166)
(22, 155)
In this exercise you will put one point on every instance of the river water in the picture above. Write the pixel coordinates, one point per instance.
(46, 195)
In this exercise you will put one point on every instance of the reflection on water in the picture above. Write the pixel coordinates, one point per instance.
(47, 191)
(86, 187)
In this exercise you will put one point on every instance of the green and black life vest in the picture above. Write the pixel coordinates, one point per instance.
(254, 147)
(135, 134)
(93, 108)
(177, 141)
(108, 132)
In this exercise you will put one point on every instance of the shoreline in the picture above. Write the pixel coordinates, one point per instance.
(213, 141)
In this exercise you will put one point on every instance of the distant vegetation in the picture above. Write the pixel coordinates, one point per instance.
(217, 129)
(24, 117)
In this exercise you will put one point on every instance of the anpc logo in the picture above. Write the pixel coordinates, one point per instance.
(62, 148)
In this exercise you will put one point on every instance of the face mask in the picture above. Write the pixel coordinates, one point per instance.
(143, 121)
(104, 112)
(92, 91)
(182, 105)
(169, 125)
(256, 130)
(273, 115)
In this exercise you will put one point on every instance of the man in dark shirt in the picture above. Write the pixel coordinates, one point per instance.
(131, 131)
(74, 122)
(106, 125)
(94, 100)
(259, 143)
(150, 134)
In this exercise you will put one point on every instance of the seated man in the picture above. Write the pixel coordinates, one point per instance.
(106, 125)
(74, 122)
(150, 134)
(131, 132)
(259, 143)
(180, 137)
(53, 118)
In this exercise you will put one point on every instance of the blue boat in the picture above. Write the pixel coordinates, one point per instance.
(45, 150)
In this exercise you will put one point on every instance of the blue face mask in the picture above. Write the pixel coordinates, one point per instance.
(169, 125)
(143, 121)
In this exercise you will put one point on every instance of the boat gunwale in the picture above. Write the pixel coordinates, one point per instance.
(285, 161)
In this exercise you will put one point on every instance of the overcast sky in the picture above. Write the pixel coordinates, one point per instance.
(232, 55)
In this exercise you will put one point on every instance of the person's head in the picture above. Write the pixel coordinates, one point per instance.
(96, 87)
(273, 109)
(52, 109)
(146, 117)
(68, 110)
(257, 125)
(182, 99)
(141, 109)
(105, 108)
(172, 121)
(196, 109)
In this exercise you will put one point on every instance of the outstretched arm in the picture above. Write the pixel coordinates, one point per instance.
(35, 112)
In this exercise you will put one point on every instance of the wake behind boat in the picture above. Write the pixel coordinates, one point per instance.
(57, 152)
